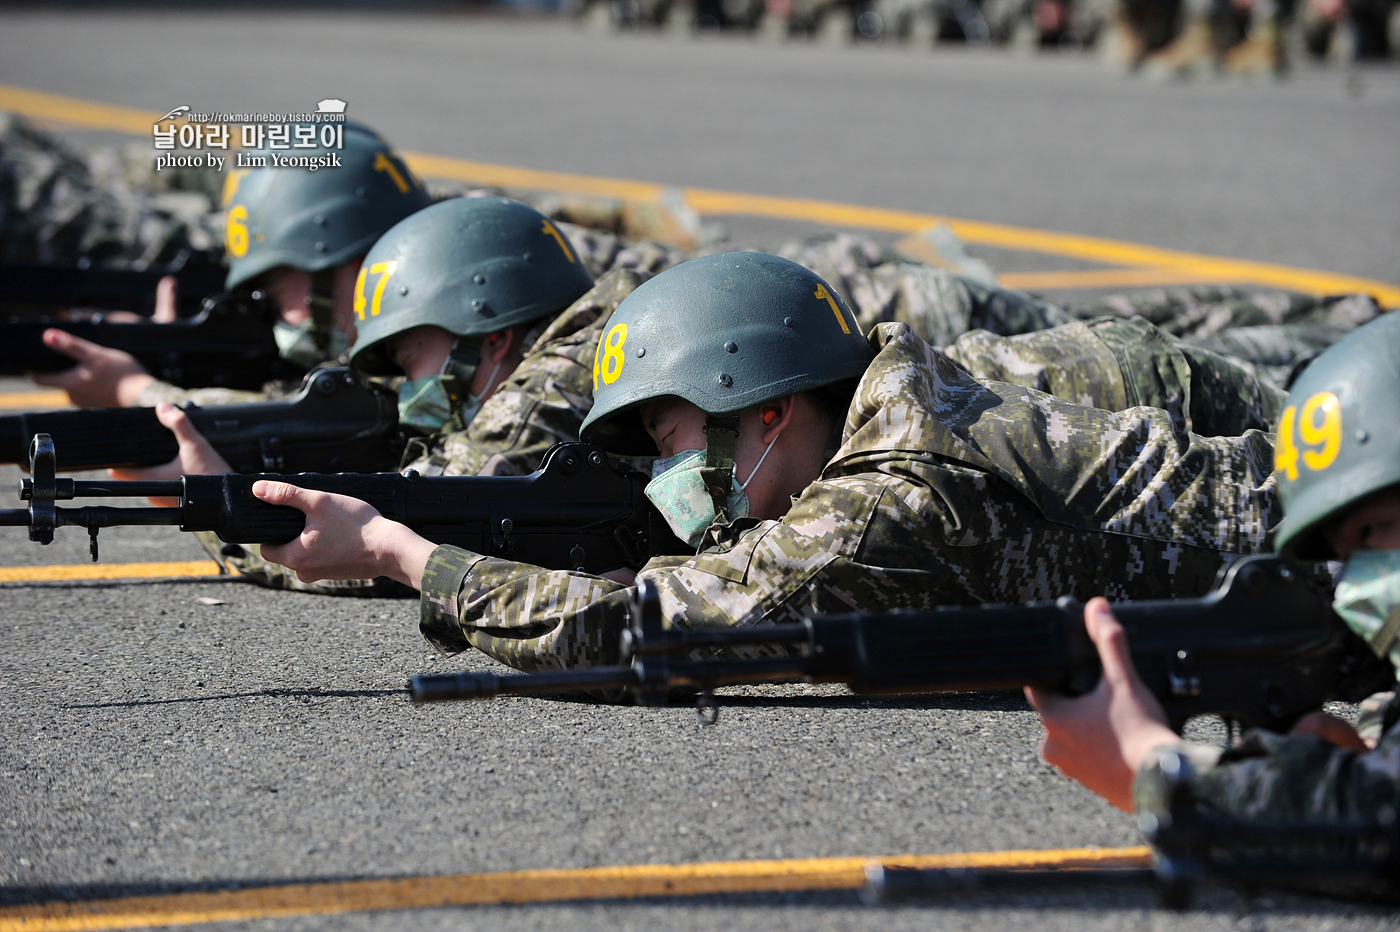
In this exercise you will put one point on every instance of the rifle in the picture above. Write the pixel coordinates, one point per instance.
(334, 423)
(577, 511)
(1263, 648)
(27, 288)
(228, 344)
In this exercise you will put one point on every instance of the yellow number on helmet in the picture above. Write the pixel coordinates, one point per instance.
(1326, 434)
(823, 295)
(384, 270)
(237, 232)
(1285, 453)
(613, 353)
(360, 293)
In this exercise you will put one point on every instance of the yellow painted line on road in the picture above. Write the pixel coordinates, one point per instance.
(533, 886)
(30, 401)
(1105, 278)
(84, 113)
(184, 569)
(707, 201)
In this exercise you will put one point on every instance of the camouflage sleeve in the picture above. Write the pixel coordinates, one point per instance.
(1266, 328)
(1272, 778)
(757, 572)
(940, 306)
(1117, 363)
(544, 401)
(246, 561)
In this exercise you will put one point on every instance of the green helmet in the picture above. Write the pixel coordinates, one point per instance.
(1339, 436)
(472, 266)
(316, 219)
(724, 332)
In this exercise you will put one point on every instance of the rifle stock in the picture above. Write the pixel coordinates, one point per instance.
(577, 511)
(1264, 648)
(334, 423)
(229, 344)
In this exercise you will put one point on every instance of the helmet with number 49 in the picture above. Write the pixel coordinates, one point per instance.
(316, 219)
(724, 332)
(1339, 436)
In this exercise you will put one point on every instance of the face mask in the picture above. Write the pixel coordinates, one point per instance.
(296, 344)
(1368, 599)
(424, 403)
(679, 493)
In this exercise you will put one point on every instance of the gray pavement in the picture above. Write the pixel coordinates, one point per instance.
(149, 742)
(1301, 172)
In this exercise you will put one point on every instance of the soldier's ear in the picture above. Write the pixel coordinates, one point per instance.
(775, 416)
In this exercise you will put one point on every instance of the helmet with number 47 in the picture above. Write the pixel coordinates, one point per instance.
(1339, 436)
(724, 332)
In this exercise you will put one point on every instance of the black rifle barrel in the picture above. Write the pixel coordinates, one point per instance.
(229, 345)
(91, 516)
(577, 512)
(334, 423)
(48, 287)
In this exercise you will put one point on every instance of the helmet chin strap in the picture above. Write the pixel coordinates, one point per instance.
(721, 437)
(321, 301)
(458, 373)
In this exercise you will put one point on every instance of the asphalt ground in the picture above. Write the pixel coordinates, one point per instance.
(155, 744)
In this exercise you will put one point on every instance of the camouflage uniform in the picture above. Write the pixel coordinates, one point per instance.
(1116, 363)
(946, 490)
(108, 206)
(541, 404)
(1269, 777)
(1274, 330)
(882, 286)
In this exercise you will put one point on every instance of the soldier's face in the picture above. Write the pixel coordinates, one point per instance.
(675, 424)
(1373, 524)
(290, 290)
(421, 351)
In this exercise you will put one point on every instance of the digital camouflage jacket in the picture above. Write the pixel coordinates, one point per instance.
(1275, 778)
(946, 490)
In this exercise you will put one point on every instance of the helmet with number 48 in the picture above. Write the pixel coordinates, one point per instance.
(724, 332)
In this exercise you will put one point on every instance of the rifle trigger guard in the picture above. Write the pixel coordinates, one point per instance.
(270, 449)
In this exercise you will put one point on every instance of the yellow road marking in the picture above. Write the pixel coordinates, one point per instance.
(707, 201)
(1105, 278)
(178, 570)
(534, 886)
(29, 401)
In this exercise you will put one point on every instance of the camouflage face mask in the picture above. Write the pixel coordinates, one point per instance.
(295, 343)
(1368, 599)
(424, 403)
(678, 492)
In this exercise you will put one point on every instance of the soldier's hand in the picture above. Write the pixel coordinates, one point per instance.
(1329, 727)
(1101, 738)
(102, 378)
(344, 538)
(167, 289)
(196, 457)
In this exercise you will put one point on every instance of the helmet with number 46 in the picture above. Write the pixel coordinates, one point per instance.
(316, 219)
